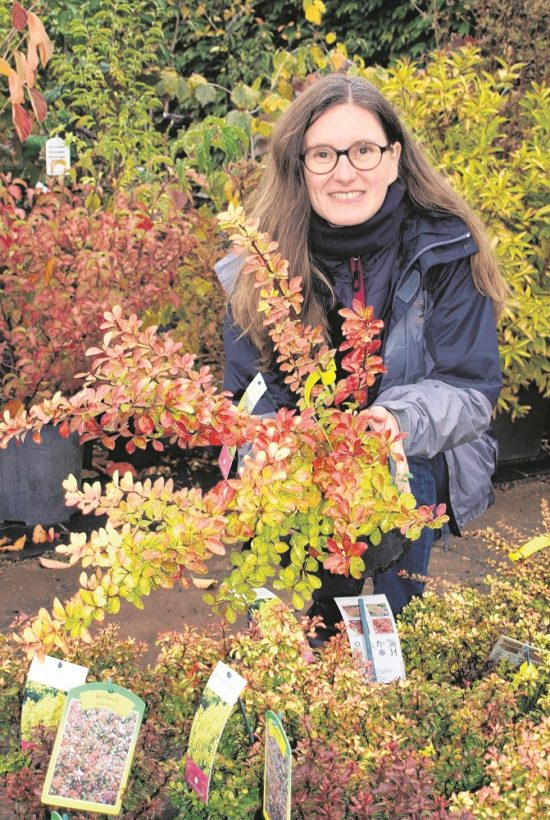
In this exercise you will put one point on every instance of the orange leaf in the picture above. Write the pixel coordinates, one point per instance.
(5, 67)
(51, 563)
(32, 56)
(39, 104)
(38, 36)
(17, 95)
(51, 266)
(36, 437)
(39, 535)
(22, 122)
(20, 65)
(17, 546)
(18, 17)
(13, 406)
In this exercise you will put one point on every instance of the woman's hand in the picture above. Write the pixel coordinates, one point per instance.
(380, 421)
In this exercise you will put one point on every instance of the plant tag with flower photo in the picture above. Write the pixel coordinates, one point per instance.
(247, 403)
(351, 616)
(58, 157)
(277, 770)
(93, 749)
(48, 682)
(515, 652)
(220, 695)
(381, 638)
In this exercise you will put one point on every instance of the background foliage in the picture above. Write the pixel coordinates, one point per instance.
(185, 93)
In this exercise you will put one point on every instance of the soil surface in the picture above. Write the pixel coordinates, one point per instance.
(26, 585)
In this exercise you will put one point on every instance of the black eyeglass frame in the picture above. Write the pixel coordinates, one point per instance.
(345, 152)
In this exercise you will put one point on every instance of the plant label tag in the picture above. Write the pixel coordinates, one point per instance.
(225, 459)
(93, 749)
(261, 617)
(48, 681)
(220, 695)
(515, 652)
(381, 638)
(277, 770)
(58, 157)
(247, 403)
(262, 594)
(539, 542)
(252, 394)
(351, 615)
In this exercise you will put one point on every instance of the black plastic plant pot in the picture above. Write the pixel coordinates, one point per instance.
(386, 554)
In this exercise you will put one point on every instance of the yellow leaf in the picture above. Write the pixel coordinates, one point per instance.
(204, 583)
(5, 67)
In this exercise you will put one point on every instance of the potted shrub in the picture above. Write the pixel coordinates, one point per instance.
(66, 259)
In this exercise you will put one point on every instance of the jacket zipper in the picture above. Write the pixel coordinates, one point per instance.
(441, 244)
(357, 278)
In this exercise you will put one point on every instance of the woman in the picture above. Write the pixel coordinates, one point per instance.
(359, 213)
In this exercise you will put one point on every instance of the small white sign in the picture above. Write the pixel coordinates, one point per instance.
(56, 673)
(253, 394)
(58, 157)
(381, 638)
(226, 683)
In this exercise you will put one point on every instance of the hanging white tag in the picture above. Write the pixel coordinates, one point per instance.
(58, 157)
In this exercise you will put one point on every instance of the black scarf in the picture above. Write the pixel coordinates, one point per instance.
(328, 241)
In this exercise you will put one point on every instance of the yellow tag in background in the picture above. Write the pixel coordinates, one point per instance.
(539, 542)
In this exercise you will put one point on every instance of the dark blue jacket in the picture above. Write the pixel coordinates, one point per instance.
(439, 347)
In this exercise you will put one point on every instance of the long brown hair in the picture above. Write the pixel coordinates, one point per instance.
(282, 205)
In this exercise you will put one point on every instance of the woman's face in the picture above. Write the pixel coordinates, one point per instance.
(346, 196)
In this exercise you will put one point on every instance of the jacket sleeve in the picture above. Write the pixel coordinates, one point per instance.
(452, 403)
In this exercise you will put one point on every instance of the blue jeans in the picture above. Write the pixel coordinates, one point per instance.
(398, 590)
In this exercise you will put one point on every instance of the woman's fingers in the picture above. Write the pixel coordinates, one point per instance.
(382, 421)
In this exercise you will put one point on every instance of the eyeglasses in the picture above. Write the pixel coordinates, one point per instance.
(364, 156)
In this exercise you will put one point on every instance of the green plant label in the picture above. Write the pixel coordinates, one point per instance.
(93, 749)
(381, 638)
(48, 681)
(218, 699)
(277, 770)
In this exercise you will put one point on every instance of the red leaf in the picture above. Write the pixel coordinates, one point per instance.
(64, 429)
(22, 122)
(39, 104)
(121, 466)
(18, 17)
(146, 425)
